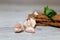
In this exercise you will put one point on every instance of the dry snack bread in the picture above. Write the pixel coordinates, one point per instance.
(43, 20)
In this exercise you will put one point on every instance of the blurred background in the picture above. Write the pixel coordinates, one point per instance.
(20, 5)
(31, 2)
(11, 11)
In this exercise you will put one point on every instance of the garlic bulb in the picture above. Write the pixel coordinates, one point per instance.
(18, 28)
(33, 22)
(27, 23)
(30, 23)
(30, 29)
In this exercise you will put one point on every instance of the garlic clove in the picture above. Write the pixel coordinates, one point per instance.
(35, 13)
(33, 22)
(18, 28)
(27, 23)
(30, 29)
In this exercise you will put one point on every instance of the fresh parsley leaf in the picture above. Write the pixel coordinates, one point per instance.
(49, 12)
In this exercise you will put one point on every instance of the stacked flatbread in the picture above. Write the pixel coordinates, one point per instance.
(43, 20)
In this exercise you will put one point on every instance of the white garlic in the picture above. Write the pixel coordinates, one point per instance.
(30, 29)
(26, 23)
(18, 28)
(35, 13)
(33, 22)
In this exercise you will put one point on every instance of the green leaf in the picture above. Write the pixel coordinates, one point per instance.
(49, 12)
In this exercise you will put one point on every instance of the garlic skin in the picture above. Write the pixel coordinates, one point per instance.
(30, 29)
(33, 22)
(30, 23)
(26, 23)
(18, 28)
(35, 13)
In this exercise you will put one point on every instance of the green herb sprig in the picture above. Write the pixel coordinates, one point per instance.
(49, 12)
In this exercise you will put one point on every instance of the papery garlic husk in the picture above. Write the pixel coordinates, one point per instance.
(30, 30)
(33, 22)
(27, 23)
(18, 28)
(30, 22)
(35, 13)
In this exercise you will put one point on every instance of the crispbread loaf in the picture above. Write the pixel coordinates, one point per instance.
(43, 20)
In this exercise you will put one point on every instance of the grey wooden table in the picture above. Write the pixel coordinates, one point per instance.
(41, 33)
